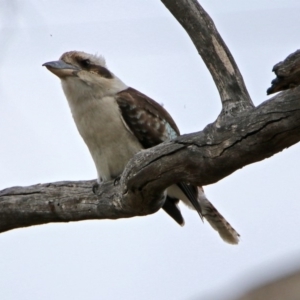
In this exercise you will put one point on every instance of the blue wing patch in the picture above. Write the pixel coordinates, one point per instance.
(172, 134)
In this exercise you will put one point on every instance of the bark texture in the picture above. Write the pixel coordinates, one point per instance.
(214, 52)
(287, 74)
(241, 135)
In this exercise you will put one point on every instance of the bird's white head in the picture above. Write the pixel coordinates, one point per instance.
(85, 76)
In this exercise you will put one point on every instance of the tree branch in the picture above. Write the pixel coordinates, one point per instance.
(68, 201)
(200, 158)
(214, 52)
(287, 72)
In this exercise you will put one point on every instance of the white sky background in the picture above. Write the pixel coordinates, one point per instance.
(149, 257)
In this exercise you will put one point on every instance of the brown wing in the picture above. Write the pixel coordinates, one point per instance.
(152, 125)
(147, 119)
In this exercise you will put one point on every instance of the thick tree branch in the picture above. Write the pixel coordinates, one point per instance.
(200, 158)
(64, 202)
(214, 52)
(214, 153)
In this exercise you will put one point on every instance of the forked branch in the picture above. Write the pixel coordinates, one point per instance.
(214, 52)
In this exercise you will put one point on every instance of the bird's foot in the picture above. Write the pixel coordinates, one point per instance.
(117, 180)
(95, 187)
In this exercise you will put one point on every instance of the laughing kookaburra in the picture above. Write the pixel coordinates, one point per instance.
(117, 121)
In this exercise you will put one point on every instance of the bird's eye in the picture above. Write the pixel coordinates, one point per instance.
(85, 63)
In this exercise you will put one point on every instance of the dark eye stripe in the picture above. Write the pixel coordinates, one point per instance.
(85, 63)
(101, 71)
(88, 66)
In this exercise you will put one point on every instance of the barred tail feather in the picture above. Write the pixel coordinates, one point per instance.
(195, 198)
(216, 220)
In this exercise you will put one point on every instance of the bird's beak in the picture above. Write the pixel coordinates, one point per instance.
(61, 69)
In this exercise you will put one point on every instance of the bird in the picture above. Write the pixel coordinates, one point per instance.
(116, 121)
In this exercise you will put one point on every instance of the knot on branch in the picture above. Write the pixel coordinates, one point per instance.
(287, 72)
(232, 108)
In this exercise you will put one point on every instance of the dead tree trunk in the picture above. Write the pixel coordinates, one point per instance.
(242, 134)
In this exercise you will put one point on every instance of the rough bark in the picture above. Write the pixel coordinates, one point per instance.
(215, 54)
(287, 74)
(241, 135)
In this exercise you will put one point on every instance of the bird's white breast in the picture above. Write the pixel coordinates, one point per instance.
(103, 129)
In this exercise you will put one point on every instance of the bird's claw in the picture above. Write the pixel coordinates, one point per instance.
(117, 180)
(95, 188)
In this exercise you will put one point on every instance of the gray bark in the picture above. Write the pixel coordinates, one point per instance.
(215, 54)
(241, 135)
(287, 74)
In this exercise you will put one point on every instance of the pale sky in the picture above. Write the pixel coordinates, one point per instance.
(147, 257)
